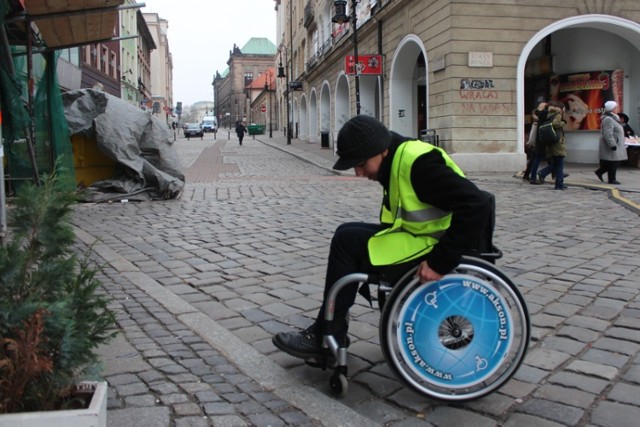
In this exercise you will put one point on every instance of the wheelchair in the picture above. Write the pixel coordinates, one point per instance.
(456, 339)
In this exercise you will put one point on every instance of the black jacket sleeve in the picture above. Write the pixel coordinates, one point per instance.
(438, 185)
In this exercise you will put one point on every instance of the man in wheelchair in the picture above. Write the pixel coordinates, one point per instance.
(430, 214)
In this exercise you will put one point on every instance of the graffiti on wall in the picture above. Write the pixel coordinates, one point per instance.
(468, 84)
(479, 96)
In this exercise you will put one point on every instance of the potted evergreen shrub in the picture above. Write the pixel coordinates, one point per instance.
(52, 314)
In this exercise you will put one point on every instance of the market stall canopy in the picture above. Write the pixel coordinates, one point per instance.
(66, 23)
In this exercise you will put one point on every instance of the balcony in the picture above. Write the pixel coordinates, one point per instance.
(308, 14)
(317, 56)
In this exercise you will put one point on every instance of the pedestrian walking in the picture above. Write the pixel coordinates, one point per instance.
(557, 151)
(611, 149)
(240, 131)
(536, 147)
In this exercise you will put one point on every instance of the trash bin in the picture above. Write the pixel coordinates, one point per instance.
(324, 139)
(430, 136)
(256, 129)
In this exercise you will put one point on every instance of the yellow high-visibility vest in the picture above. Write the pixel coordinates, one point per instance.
(415, 227)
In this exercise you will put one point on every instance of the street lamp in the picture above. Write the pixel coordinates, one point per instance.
(282, 74)
(340, 18)
(269, 76)
(213, 85)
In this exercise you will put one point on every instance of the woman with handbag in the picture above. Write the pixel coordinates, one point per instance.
(555, 151)
(611, 149)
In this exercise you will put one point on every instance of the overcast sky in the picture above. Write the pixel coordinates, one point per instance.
(201, 34)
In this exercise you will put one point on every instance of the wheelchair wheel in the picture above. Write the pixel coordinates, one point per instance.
(459, 338)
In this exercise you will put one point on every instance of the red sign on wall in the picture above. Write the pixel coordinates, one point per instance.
(367, 64)
(263, 108)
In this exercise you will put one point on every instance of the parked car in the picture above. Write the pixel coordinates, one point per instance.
(193, 129)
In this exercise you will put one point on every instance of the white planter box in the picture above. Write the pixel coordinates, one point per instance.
(94, 416)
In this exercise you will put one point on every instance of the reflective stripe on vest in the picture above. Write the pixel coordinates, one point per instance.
(415, 227)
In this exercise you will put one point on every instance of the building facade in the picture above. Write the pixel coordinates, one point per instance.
(100, 65)
(144, 45)
(162, 63)
(128, 27)
(472, 71)
(231, 87)
(262, 100)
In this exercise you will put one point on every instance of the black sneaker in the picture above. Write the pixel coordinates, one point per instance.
(305, 344)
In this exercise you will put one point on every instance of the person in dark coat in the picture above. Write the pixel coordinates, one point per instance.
(539, 151)
(240, 131)
(624, 121)
(558, 151)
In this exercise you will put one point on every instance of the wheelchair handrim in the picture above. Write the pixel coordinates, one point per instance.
(429, 353)
(419, 368)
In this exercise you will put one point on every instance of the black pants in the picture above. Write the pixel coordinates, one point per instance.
(348, 254)
(610, 167)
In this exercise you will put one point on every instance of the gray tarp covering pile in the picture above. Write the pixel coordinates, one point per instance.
(147, 164)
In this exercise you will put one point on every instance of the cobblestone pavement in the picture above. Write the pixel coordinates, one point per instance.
(200, 284)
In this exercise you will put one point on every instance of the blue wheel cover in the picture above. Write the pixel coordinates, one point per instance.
(431, 307)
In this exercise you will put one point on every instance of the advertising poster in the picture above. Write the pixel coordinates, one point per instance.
(367, 64)
(584, 95)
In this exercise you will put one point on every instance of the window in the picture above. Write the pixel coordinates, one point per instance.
(248, 78)
(94, 56)
(86, 54)
(113, 66)
(104, 58)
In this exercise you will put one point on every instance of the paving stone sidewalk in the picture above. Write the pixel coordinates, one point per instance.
(197, 309)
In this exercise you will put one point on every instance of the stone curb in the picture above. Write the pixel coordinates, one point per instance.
(261, 369)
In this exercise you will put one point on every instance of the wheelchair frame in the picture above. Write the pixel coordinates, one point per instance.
(455, 354)
(462, 351)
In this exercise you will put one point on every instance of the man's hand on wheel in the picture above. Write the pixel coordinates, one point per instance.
(426, 274)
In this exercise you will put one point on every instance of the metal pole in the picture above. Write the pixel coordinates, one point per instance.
(31, 131)
(270, 119)
(355, 54)
(289, 115)
(270, 105)
(3, 203)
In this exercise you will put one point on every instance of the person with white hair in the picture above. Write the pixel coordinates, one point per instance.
(611, 149)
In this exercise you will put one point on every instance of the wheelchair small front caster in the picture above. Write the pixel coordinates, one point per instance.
(338, 382)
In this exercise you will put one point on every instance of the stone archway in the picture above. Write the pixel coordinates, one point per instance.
(325, 108)
(342, 102)
(581, 148)
(295, 117)
(406, 79)
(304, 119)
(313, 116)
(369, 97)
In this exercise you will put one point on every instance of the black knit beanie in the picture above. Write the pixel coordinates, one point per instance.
(361, 138)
